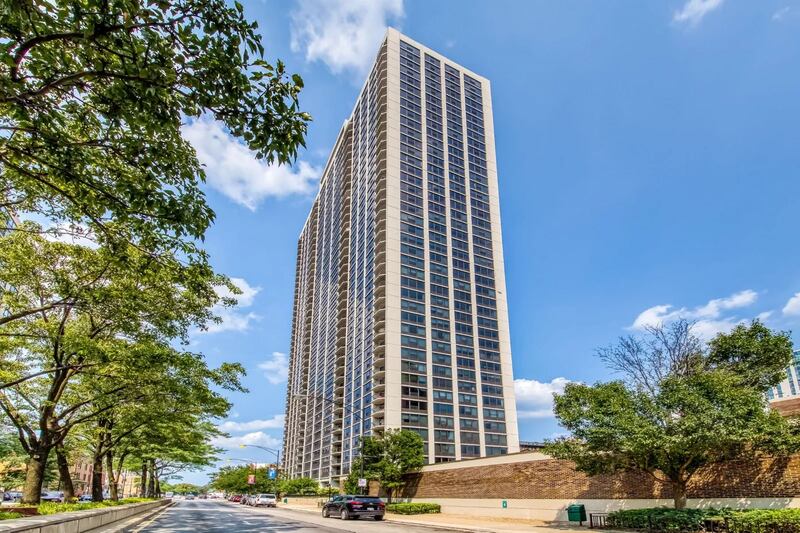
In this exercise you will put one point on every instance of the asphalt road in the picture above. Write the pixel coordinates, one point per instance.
(198, 516)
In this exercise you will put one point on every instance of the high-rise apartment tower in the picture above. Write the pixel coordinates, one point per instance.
(400, 317)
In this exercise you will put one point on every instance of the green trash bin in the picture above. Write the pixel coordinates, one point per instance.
(576, 513)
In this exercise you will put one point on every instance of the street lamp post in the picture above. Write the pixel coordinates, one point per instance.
(276, 452)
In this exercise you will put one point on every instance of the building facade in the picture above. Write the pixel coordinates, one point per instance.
(785, 397)
(400, 316)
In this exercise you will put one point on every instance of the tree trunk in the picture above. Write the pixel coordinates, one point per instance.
(679, 494)
(64, 474)
(97, 478)
(151, 482)
(118, 474)
(34, 476)
(143, 481)
(112, 480)
(158, 488)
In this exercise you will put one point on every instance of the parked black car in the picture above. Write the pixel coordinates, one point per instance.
(346, 507)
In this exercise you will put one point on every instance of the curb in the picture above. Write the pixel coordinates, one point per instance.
(136, 523)
(439, 527)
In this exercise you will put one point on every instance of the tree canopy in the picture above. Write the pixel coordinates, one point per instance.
(681, 405)
(386, 458)
(92, 98)
(233, 479)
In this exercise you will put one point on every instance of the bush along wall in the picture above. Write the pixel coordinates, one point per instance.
(664, 519)
(701, 520)
(414, 508)
(765, 521)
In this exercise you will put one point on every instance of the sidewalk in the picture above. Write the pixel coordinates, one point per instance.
(466, 523)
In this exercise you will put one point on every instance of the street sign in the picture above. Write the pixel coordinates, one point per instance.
(273, 473)
(362, 482)
(251, 479)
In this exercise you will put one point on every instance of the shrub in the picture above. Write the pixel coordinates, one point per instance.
(738, 521)
(665, 519)
(9, 516)
(765, 521)
(414, 508)
(53, 507)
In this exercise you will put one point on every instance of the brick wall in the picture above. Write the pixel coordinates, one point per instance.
(548, 478)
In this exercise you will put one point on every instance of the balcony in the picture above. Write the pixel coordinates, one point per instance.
(380, 291)
(378, 350)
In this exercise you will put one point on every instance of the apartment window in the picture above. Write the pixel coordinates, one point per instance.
(440, 435)
(468, 437)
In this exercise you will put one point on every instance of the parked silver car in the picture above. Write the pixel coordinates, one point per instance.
(265, 500)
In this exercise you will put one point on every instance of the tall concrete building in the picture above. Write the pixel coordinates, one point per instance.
(400, 317)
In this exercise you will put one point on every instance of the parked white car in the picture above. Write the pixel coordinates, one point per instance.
(265, 500)
(52, 496)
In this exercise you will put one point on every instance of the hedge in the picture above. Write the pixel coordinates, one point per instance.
(414, 508)
(765, 521)
(692, 520)
(55, 507)
(664, 519)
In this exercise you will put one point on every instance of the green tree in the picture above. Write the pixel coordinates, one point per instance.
(119, 326)
(92, 99)
(681, 406)
(388, 457)
(233, 480)
(351, 481)
(183, 488)
(170, 421)
(301, 485)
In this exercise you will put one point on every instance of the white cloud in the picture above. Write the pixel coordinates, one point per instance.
(792, 307)
(344, 34)
(276, 422)
(248, 293)
(232, 319)
(708, 329)
(693, 11)
(708, 318)
(258, 438)
(781, 13)
(233, 169)
(276, 369)
(535, 398)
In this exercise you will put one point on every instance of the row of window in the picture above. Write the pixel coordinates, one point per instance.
(414, 345)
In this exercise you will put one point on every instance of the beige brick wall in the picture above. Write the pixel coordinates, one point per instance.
(547, 478)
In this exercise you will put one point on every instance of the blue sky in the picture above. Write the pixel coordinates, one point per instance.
(648, 161)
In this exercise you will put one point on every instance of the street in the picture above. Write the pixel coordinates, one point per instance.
(221, 516)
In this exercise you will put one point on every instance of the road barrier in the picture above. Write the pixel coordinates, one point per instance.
(79, 521)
